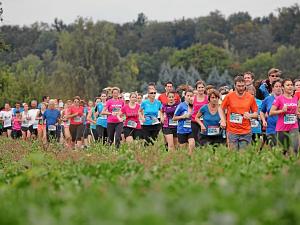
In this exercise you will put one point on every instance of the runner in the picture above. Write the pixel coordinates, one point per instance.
(169, 126)
(25, 126)
(91, 117)
(139, 98)
(18, 108)
(132, 126)
(114, 122)
(33, 112)
(270, 122)
(41, 123)
(286, 107)
(163, 98)
(249, 78)
(150, 110)
(101, 125)
(76, 122)
(87, 130)
(16, 125)
(238, 104)
(52, 116)
(6, 117)
(211, 132)
(66, 123)
(199, 100)
(265, 89)
(183, 115)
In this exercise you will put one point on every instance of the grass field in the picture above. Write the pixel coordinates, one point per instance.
(146, 186)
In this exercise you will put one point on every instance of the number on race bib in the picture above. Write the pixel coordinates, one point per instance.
(187, 124)
(154, 120)
(131, 124)
(254, 123)
(52, 128)
(173, 123)
(236, 118)
(78, 119)
(290, 119)
(213, 130)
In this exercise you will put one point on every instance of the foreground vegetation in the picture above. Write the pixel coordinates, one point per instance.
(138, 185)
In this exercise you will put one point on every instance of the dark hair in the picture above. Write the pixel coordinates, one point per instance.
(251, 87)
(44, 97)
(239, 78)
(276, 81)
(200, 82)
(285, 80)
(151, 84)
(250, 73)
(169, 82)
(296, 80)
(76, 97)
(213, 92)
(171, 92)
(188, 90)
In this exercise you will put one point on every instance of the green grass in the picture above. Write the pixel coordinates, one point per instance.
(141, 186)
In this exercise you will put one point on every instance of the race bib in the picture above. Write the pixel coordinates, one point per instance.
(173, 123)
(78, 119)
(115, 109)
(254, 123)
(103, 117)
(213, 130)
(290, 119)
(131, 124)
(236, 118)
(52, 128)
(187, 124)
(154, 120)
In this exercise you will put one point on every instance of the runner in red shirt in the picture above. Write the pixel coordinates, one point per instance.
(163, 98)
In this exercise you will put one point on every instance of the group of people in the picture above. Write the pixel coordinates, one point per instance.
(263, 112)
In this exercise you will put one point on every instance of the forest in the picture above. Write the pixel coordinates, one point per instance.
(62, 60)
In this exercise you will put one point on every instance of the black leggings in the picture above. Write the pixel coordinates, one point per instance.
(196, 132)
(150, 133)
(114, 131)
(289, 140)
(101, 134)
(76, 132)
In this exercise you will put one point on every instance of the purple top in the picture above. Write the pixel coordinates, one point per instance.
(168, 111)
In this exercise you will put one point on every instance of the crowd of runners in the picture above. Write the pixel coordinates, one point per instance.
(264, 112)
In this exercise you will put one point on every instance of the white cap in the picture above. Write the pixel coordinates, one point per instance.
(126, 96)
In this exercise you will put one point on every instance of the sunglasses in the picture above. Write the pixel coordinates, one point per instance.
(152, 93)
(274, 76)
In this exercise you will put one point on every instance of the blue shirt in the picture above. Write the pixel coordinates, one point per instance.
(92, 125)
(102, 119)
(256, 123)
(151, 110)
(264, 90)
(51, 116)
(271, 120)
(182, 127)
(20, 110)
(210, 121)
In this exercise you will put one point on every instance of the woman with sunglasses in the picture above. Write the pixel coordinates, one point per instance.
(199, 100)
(169, 125)
(76, 122)
(150, 109)
(211, 132)
(265, 88)
(114, 121)
(286, 107)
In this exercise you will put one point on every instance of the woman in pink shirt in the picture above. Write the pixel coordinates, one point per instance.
(114, 121)
(132, 125)
(16, 125)
(286, 107)
(199, 100)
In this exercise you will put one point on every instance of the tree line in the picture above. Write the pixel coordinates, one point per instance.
(81, 58)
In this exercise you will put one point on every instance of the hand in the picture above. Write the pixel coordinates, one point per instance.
(284, 109)
(265, 124)
(187, 115)
(203, 129)
(223, 124)
(247, 115)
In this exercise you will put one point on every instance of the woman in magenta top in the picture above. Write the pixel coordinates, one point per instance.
(114, 121)
(76, 122)
(199, 100)
(132, 125)
(286, 107)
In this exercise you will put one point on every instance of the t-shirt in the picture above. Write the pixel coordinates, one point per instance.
(16, 123)
(7, 118)
(236, 107)
(163, 98)
(168, 111)
(33, 121)
(210, 121)
(197, 106)
(151, 110)
(51, 116)
(114, 105)
(184, 125)
(271, 120)
(287, 121)
(20, 110)
(132, 116)
(256, 123)
(25, 119)
(79, 118)
(102, 119)
(93, 125)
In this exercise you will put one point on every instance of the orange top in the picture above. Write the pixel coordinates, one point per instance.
(236, 107)
(164, 98)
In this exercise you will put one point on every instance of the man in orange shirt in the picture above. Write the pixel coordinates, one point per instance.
(164, 96)
(241, 107)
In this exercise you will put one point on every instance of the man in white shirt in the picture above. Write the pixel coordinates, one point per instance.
(33, 123)
(6, 119)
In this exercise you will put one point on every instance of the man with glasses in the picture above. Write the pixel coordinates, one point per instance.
(265, 89)
(164, 96)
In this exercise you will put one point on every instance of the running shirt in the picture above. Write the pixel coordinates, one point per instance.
(25, 119)
(169, 111)
(16, 123)
(271, 120)
(132, 116)
(163, 98)
(210, 121)
(113, 106)
(77, 119)
(102, 119)
(93, 125)
(20, 110)
(184, 125)
(287, 121)
(197, 106)
(51, 116)
(256, 123)
(7, 118)
(236, 107)
(151, 110)
(86, 111)
(33, 121)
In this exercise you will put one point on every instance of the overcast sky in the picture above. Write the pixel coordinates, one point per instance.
(120, 11)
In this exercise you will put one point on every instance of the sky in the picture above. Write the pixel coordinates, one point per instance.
(26, 12)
